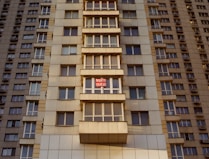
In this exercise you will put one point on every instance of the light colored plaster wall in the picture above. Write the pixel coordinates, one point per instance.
(137, 147)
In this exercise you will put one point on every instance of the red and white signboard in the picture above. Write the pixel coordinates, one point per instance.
(100, 82)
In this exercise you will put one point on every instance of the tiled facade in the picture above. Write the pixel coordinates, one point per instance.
(90, 79)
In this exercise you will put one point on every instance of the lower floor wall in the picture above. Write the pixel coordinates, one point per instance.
(69, 147)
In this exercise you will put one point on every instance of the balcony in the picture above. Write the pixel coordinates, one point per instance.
(3, 90)
(99, 97)
(94, 72)
(101, 30)
(203, 127)
(193, 90)
(101, 12)
(103, 132)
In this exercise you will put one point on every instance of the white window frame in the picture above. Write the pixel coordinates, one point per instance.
(29, 130)
(37, 69)
(41, 37)
(173, 129)
(43, 23)
(66, 93)
(35, 88)
(160, 53)
(169, 107)
(28, 154)
(71, 14)
(101, 62)
(101, 90)
(112, 116)
(91, 41)
(39, 53)
(91, 22)
(178, 151)
(137, 70)
(69, 50)
(163, 70)
(98, 5)
(166, 88)
(32, 108)
(45, 10)
(68, 70)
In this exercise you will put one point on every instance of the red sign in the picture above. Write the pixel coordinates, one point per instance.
(100, 82)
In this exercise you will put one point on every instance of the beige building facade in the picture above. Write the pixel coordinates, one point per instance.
(91, 79)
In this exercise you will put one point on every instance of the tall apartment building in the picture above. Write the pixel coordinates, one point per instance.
(92, 79)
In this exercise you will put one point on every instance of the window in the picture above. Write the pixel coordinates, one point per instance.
(101, 61)
(101, 22)
(137, 92)
(8, 66)
(2, 99)
(160, 53)
(72, 1)
(26, 152)
(182, 110)
(129, 14)
(13, 123)
(135, 70)
(177, 151)
(29, 130)
(163, 70)
(177, 86)
(24, 55)
(41, 37)
(198, 110)
(185, 123)
(32, 108)
(180, 98)
(103, 112)
(102, 40)
(71, 14)
(32, 12)
(33, 4)
(29, 28)
(155, 23)
(68, 70)
(157, 38)
(203, 136)
(30, 20)
(11, 137)
(43, 23)
(102, 85)
(166, 28)
(205, 151)
(65, 118)
(169, 107)
(153, 11)
(70, 31)
(201, 123)
(23, 65)
(173, 130)
(28, 37)
(133, 50)
(128, 1)
(1, 111)
(100, 5)
(8, 152)
(15, 111)
(26, 46)
(45, 10)
(170, 46)
(17, 98)
(188, 136)
(66, 93)
(166, 88)
(37, 69)
(174, 65)
(190, 151)
(140, 118)
(195, 98)
(69, 50)
(39, 53)
(35, 88)
(131, 31)
(21, 75)
(176, 75)
(10, 56)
